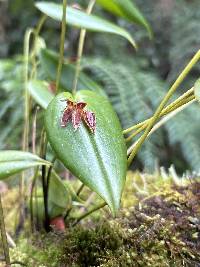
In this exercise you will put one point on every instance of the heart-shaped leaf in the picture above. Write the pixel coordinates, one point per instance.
(98, 159)
(12, 162)
(81, 19)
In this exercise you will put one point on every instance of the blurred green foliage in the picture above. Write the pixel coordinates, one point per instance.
(135, 82)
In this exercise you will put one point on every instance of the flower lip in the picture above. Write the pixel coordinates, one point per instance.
(76, 113)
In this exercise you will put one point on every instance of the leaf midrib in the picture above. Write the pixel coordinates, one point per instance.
(101, 163)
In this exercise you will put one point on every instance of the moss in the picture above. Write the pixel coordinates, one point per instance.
(41, 250)
(160, 230)
(10, 203)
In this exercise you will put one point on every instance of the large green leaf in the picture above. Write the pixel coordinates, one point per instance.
(98, 160)
(38, 208)
(81, 19)
(197, 89)
(126, 9)
(59, 198)
(40, 93)
(49, 61)
(12, 162)
(57, 192)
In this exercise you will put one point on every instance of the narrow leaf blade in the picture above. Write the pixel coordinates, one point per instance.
(80, 19)
(12, 162)
(126, 9)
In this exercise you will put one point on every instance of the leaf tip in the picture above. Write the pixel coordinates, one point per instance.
(134, 44)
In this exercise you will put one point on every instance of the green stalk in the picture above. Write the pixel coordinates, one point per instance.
(48, 178)
(171, 115)
(170, 106)
(178, 105)
(44, 185)
(62, 45)
(4, 236)
(138, 131)
(164, 112)
(36, 34)
(33, 75)
(26, 93)
(35, 177)
(156, 115)
(98, 207)
(28, 34)
(80, 48)
(33, 184)
(163, 121)
(80, 189)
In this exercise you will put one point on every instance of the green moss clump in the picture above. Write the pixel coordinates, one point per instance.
(41, 250)
(161, 230)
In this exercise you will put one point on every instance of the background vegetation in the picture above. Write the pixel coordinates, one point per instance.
(135, 84)
(158, 223)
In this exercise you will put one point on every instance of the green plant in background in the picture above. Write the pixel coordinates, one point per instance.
(98, 158)
(152, 64)
(10, 96)
(151, 71)
(107, 175)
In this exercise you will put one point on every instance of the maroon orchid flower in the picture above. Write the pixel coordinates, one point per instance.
(75, 112)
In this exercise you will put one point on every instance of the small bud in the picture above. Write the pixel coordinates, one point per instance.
(58, 224)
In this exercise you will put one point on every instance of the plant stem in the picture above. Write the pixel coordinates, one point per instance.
(183, 96)
(100, 206)
(88, 202)
(35, 177)
(3, 235)
(163, 121)
(34, 129)
(156, 115)
(44, 185)
(164, 112)
(45, 180)
(139, 130)
(171, 115)
(80, 189)
(33, 184)
(47, 187)
(62, 45)
(28, 34)
(80, 48)
(36, 34)
(26, 93)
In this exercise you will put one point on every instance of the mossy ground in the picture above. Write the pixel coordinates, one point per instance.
(155, 228)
